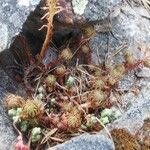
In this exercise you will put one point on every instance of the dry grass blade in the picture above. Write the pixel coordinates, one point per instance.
(53, 9)
(48, 135)
(57, 139)
(146, 4)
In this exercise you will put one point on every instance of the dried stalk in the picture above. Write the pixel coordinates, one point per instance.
(53, 9)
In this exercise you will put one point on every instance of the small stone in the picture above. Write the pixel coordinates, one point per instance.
(143, 72)
(34, 2)
(3, 36)
(79, 6)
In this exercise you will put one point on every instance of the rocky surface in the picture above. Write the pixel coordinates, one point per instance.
(126, 28)
(86, 142)
(13, 16)
(7, 133)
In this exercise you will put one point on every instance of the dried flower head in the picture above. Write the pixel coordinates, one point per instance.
(60, 70)
(50, 80)
(85, 49)
(89, 31)
(66, 54)
(147, 62)
(71, 120)
(32, 109)
(13, 101)
(97, 73)
(112, 80)
(67, 106)
(99, 84)
(129, 58)
(118, 71)
(96, 98)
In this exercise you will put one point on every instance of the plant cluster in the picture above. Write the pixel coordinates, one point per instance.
(69, 100)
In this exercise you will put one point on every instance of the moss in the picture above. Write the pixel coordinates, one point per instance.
(123, 140)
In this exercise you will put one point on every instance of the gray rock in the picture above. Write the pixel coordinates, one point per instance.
(128, 28)
(7, 133)
(88, 11)
(99, 10)
(143, 72)
(86, 142)
(3, 36)
(133, 119)
(13, 16)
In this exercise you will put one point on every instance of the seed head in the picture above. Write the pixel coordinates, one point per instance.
(99, 84)
(85, 49)
(50, 80)
(118, 71)
(60, 70)
(66, 54)
(71, 120)
(147, 62)
(13, 101)
(129, 58)
(97, 98)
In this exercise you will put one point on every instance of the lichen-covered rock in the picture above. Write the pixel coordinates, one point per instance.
(13, 16)
(85, 11)
(138, 111)
(128, 30)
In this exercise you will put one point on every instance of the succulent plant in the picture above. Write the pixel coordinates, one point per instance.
(36, 134)
(106, 112)
(85, 49)
(13, 101)
(96, 98)
(129, 58)
(99, 84)
(32, 109)
(40, 96)
(16, 119)
(71, 120)
(66, 54)
(50, 80)
(104, 120)
(70, 81)
(24, 126)
(115, 115)
(12, 112)
(110, 115)
(60, 70)
(41, 89)
(117, 71)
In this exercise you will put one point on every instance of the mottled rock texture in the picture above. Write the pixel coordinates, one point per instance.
(13, 16)
(86, 142)
(125, 27)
